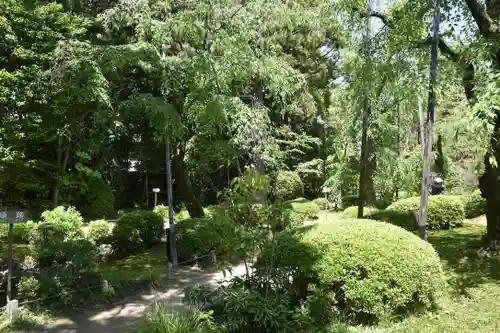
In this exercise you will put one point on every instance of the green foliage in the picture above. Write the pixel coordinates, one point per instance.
(443, 212)
(323, 203)
(66, 281)
(135, 231)
(287, 186)
(352, 212)
(22, 232)
(68, 218)
(474, 203)
(99, 231)
(305, 208)
(200, 237)
(348, 262)
(280, 216)
(161, 319)
(99, 200)
(349, 201)
(66, 262)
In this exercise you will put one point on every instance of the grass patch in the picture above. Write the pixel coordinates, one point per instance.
(148, 265)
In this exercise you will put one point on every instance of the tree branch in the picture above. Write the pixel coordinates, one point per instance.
(487, 27)
(381, 16)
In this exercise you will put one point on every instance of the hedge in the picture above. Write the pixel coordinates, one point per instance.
(443, 212)
(287, 186)
(369, 270)
(203, 236)
(352, 212)
(135, 231)
(305, 208)
(474, 204)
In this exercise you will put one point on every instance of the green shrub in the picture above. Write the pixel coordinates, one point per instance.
(135, 231)
(350, 200)
(203, 236)
(99, 231)
(161, 319)
(443, 211)
(68, 279)
(372, 270)
(281, 217)
(69, 218)
(99, 201)
(474, 204)
(47, 243)
(287, 186)
(22, 232)
(323, 203)
(352, 212)
(305, 208)
(164, 213)
(403, 219)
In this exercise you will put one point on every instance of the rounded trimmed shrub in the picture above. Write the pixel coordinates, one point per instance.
(352, 212)
(99, 231)
(203, 236)
(308, 210)
(135, 231)
(287, 186)
(474, 204)
(443, 212)
(370, 270)
(323, 203)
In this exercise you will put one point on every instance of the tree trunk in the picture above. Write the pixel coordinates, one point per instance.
(489, 183)
(61, 166)
(187, 194)
(371, 166)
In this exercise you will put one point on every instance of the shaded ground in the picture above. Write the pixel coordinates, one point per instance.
(121, 316)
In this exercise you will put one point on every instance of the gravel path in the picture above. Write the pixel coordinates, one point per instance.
(120, 318)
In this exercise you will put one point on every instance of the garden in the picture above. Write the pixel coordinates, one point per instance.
(288, 140)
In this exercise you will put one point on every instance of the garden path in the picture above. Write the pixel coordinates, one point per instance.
(121, 317)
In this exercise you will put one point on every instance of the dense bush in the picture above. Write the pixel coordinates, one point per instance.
(22, 232)
(352, 212)
(287, 186)
(67, 280)
(443, 211)
(99, 200)
(280, 216)
(69, 218)
(65, 261)
(368, 270)
(308, 210)
(244, 306)
(135, 231)
(323, 203)
(404, 219)
(350, 200)
(47, 243)
(203, 236)
(474, 204)
(99, 231)
(164, 213)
